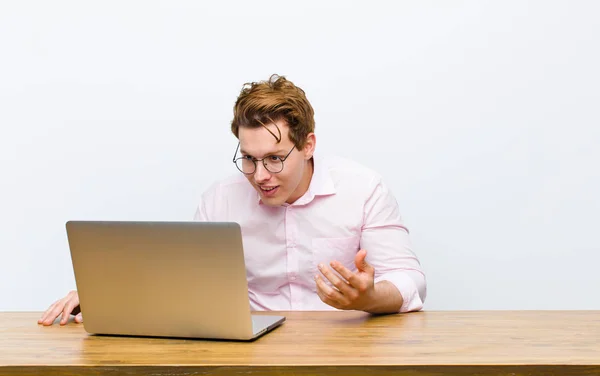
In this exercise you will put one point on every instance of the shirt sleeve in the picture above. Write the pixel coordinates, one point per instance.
(207, 209)
(389, 249)
(201, 214)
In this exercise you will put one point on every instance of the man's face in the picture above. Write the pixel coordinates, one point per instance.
(293, 181)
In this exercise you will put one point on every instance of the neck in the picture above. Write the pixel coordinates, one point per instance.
(304, 183)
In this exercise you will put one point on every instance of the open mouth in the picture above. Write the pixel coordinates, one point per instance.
(269, 191)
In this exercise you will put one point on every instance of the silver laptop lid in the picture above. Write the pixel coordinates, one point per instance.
(175, 279)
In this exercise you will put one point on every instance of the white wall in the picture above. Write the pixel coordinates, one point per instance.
(482, 116)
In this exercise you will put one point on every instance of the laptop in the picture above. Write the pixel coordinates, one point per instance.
(164, 279)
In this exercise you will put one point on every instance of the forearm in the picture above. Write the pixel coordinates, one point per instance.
(386, 299)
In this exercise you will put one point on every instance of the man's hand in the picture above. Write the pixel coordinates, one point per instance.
(351, 290)
(62, 307)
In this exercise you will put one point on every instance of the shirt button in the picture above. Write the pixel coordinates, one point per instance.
(293, 277)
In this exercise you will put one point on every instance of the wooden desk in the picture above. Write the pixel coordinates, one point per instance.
(342, 343)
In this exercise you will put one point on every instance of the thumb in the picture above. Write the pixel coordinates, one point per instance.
(79, 318)
(361, 262)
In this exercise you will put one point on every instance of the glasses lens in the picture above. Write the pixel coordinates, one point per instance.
(246, 166)
(273, 164)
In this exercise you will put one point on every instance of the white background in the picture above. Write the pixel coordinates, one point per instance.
(482, 116)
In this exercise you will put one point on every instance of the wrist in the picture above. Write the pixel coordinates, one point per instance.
(371, 304)
(385, 298)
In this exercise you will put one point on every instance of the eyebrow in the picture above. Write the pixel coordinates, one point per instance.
(280, 151)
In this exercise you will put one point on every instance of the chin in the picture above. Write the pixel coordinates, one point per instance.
(272, 201)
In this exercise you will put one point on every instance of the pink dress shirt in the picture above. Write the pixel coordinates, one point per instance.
(346, 208)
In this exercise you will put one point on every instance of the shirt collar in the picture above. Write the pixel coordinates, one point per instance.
(321, 183)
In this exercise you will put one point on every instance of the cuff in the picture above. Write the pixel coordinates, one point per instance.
(407, 288)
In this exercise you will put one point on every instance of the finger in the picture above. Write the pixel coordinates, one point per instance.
(51, 316)
(322, 295)
(332, 296)
(52, 313)
(47, 312)
(79, 318)
(43, 317)
(66, 312)
(361, 262)
(347, 274)
(320, 292)
(335, 280)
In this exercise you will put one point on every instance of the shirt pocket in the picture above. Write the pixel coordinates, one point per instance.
(325, 250)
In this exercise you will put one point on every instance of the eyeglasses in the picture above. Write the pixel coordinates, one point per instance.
(247, 164)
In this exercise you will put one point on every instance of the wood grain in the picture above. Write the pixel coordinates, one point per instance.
(348, 343)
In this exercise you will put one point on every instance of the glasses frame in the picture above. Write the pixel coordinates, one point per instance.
(261, 160)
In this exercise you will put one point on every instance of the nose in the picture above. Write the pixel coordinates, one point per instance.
(261, 174)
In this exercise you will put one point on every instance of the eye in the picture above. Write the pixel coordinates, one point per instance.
(247, 157)
(274, 158)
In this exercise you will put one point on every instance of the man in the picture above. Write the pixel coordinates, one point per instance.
(318, 233)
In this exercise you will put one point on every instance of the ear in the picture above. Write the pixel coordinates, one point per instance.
(309, 146)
